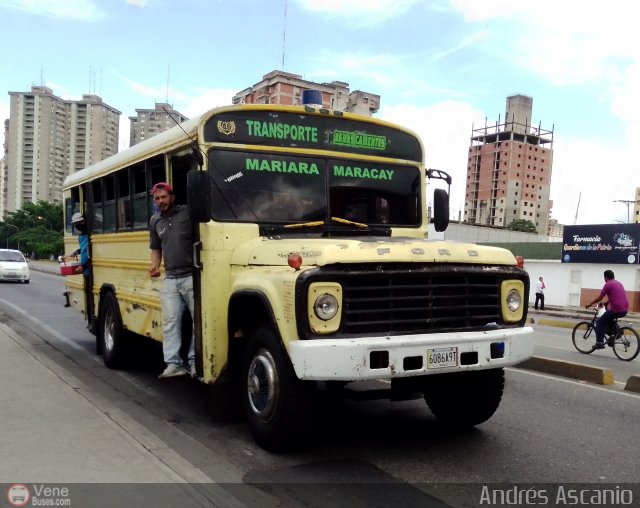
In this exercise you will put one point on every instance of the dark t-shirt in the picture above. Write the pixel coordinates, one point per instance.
(172, 235)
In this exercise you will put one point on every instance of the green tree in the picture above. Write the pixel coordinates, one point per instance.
(522, 225)
(36, 229)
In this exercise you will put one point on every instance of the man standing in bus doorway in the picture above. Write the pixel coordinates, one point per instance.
(171, 238)
(80, 223)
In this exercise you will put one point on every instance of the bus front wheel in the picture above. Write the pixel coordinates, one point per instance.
(111, 334)
(274, 401)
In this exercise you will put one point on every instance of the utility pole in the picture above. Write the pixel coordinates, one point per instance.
(627, 202)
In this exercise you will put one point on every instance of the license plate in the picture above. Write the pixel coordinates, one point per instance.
(442, 357)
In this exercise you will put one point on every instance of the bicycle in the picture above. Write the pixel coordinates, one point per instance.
(623, 339)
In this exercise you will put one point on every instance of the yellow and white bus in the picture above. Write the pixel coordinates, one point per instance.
(311, 265)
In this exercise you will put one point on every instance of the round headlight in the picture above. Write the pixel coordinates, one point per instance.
(326, 307)
(514, 300)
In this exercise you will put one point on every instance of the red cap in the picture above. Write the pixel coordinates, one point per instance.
(162, 186)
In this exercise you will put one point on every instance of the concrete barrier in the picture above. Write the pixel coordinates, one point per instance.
(572, 370)
(558, 323)
(633, 384)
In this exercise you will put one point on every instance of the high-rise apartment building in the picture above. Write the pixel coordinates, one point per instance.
(636, 207)
(149, 122)
(279, 87)
(49, 138)
(3, 171)
(509, 170)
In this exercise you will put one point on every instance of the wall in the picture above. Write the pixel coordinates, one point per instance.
(576, 284)
(461, 232)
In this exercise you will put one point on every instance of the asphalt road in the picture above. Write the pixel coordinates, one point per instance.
(548, 430)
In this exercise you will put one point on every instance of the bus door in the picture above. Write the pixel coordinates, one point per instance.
(180, 165)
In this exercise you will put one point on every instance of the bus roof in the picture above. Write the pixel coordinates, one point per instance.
(165, 141)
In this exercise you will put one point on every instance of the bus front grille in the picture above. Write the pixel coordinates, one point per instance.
(419, 303)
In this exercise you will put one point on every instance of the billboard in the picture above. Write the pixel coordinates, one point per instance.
(601, 243)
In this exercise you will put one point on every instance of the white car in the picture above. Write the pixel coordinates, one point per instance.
(13, 266)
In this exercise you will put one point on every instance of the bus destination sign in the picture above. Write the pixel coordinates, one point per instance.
(322, 132)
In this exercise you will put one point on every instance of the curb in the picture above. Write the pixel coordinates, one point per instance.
(557, 323)
(579, 371)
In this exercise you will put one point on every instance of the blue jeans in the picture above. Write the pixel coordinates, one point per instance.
(176, 295)
(604, 321)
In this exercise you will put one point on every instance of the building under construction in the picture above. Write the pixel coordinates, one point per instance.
(509, 170)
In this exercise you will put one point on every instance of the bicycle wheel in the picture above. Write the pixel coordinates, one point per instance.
(626, 344)
(583, 337)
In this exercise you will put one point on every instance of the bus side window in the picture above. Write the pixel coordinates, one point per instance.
(180, 166)
(155, 170)
(123, 200)
(97, 206)
(71, 205)
(109, 207)
(140, 195)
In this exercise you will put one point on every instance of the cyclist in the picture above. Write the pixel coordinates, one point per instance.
(618, 305)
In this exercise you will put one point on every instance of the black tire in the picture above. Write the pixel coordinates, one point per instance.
(111, 335)
(274, 400)
(26, 281)
(626, 344)
(464, 399)
(584, 337)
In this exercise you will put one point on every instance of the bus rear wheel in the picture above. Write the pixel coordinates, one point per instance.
(111, 335)
(274, 400)
(464, 399)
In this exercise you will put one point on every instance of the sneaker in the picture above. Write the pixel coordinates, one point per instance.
(599, 345)
(192, 370)
(172, 371)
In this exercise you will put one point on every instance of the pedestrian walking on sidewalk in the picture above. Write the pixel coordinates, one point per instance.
(171, 238)
(540, 286)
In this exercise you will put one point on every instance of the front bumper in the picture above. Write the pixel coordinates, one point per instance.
(351, 359)
(14, 275)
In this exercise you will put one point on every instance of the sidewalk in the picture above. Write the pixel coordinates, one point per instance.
(56, 429)
(45, 266)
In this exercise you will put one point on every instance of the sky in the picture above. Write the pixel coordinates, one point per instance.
(441, 68)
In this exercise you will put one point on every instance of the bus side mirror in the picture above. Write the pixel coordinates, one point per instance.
(199, 195)
(440, 209)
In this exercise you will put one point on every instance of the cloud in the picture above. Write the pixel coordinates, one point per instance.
(359, 12)
(599, 38)
(188, 102)
(444, 128)
(586, 169)
(155, 92)
(137, 3)
(83, 10)
(381, 69)
(205, 99)
(595, 173)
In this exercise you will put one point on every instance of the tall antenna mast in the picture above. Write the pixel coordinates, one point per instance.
(284, 33)
(577, 208)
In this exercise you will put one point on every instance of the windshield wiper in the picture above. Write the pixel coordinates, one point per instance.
(317, 223)
(349, 222)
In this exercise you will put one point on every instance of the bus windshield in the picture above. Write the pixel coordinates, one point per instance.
(284, 189)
